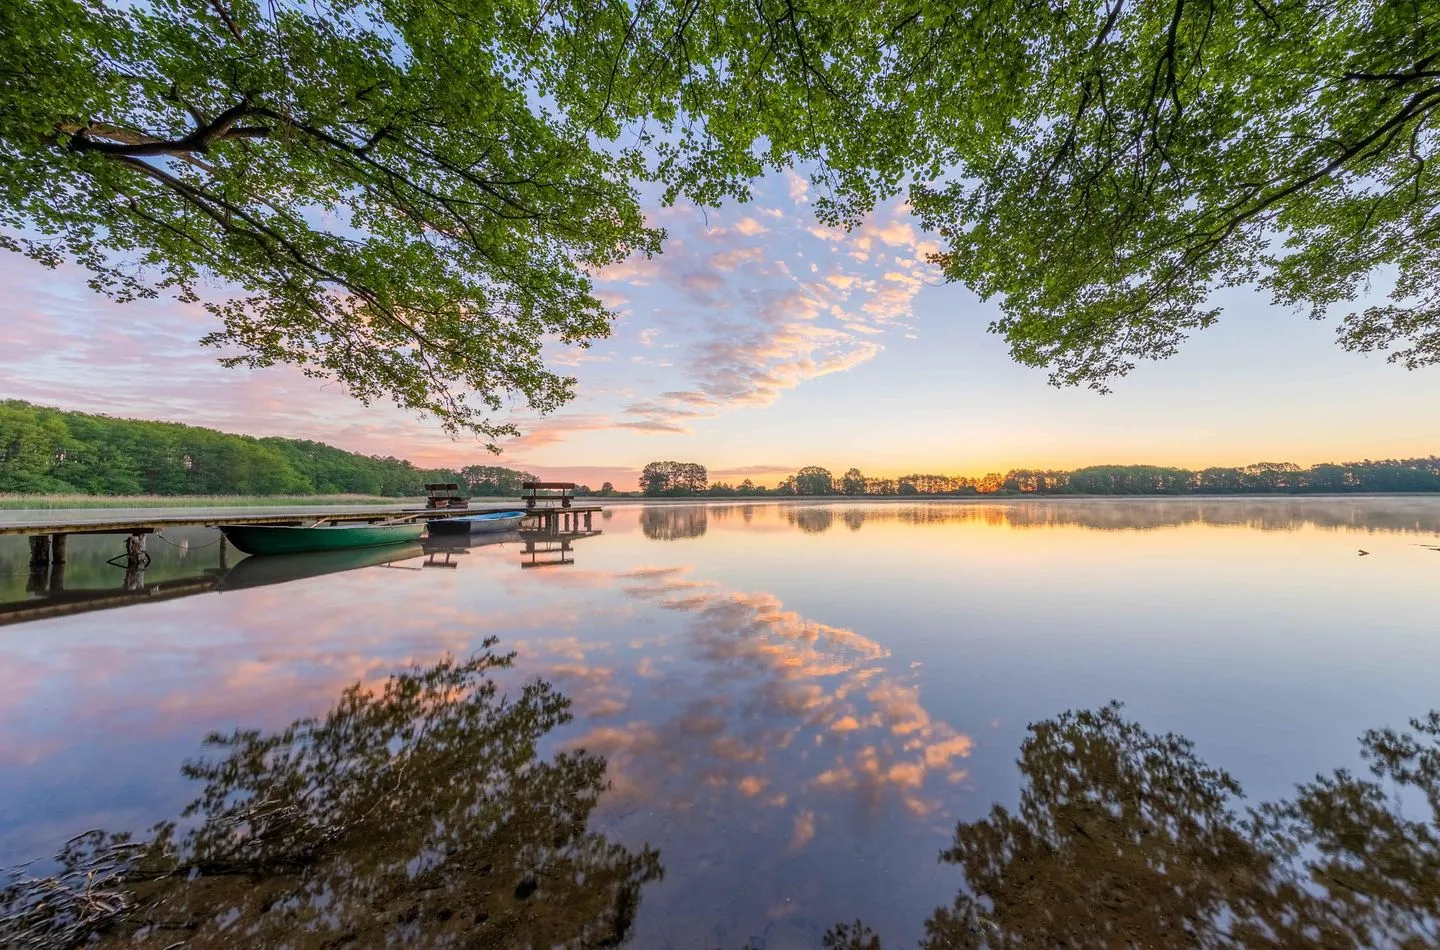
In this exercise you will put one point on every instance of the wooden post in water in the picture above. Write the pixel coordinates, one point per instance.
(39, 550)
(136, 557)
(57, 548)
(224, 554)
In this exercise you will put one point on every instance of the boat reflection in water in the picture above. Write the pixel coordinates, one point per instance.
(283, 568)
(442, 550)
(415, 814)
(1123, 838)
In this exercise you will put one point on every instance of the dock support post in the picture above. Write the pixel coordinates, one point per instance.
(135, 554)
(57, 548)
(39, 550)
(224, 553)
(587, 521)
(57, 573)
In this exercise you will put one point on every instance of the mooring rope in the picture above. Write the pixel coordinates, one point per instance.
(188, 547)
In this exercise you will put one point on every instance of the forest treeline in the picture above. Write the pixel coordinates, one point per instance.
(680, 479)
(45, 451)
(50, 451)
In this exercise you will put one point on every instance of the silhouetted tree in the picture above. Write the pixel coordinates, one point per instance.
(673, 478)
(813, 480)
(852, 482)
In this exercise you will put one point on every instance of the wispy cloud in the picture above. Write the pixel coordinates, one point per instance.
(779, 331)
(798, 187)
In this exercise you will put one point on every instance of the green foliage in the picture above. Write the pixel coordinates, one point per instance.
(377, 188)
(1099, 167)
(409, 196)
(1159, 150)
(49, 451)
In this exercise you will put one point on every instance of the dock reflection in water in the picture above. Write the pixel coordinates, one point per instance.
(800, 708)
(106, 585)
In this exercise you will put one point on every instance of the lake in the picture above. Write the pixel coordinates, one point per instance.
(731, 725)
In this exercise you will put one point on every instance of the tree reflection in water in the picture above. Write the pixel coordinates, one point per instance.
(673, 522)
(1127, 839)
(418, 814)
(811, 520)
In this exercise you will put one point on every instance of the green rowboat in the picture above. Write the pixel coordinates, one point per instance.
(286, 539)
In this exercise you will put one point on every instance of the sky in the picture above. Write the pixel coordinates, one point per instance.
(757, 343)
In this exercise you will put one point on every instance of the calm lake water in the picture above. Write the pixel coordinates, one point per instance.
(745, 724)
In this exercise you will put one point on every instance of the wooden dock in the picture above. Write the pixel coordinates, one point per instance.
(48, 533)
(546, 540)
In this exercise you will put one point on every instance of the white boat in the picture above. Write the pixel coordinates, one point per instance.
(483, 523)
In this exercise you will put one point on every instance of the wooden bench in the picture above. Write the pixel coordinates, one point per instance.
(534, 498)
(444, 495)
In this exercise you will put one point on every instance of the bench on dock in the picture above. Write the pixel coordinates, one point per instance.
(444, 495)
(534, 498)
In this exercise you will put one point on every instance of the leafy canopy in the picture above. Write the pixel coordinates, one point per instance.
(409, 195)
(1099, 166)
(374, 181)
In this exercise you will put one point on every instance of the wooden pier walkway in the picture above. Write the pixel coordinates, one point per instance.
(48, 532)
(546, 539)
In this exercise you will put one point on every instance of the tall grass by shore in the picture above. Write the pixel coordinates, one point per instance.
(11, 502)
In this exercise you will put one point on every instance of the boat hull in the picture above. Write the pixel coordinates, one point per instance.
(281, 539)
(477, 524)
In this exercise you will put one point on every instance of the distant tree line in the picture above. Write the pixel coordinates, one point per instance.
(49, 451)
(1389, 475)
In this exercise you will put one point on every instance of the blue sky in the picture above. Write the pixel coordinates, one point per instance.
(760, 342)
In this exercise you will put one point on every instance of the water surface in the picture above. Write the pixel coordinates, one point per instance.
(733, 724)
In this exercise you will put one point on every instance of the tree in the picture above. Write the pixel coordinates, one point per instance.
(418, 813)
(1159, 150)
(606, 489)
(673, 478)
(813, 480)
(1099, 167)
(375, 189)
(852, 482)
